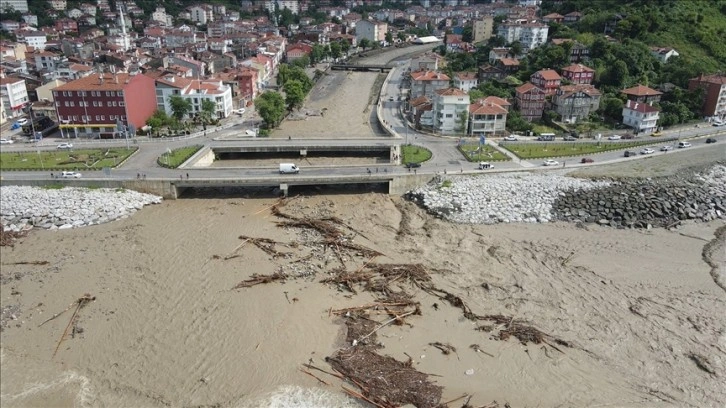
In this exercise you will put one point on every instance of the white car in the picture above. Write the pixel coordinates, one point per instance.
(22, 121)
(647, 150)
(510, 138)
(240, 111)
(6, 141)
(684, 144)
(550, 162)
(65, 146)
(70, 174)
(615, 137)
(666, 148)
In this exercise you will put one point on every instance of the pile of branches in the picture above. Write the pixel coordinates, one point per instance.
(7, 238)
(508, 326)
(384, 381)
(256, 279)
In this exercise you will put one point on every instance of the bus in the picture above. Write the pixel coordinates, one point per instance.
(546, 137)
(42, 126)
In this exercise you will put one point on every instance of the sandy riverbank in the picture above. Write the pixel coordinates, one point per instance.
(639, 308)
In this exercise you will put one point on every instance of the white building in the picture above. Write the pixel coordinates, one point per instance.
(202, 14)
(466, 80)
(59, 5)
(161, 16)
(14, 95)
(374, 31)
(642, 117)
(292, 5)
(483, 29)
(35, 39)
(663, 54)
(17, 5)
(531, 35)
(486, 117)
(451, 111)
(195, 91)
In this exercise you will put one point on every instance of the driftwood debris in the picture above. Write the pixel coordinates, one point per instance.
(82, 301)
(28, 263)
(445, 348)
(265, 244)
(7, 238)
(256, 279)
(385, 381)
(702, 363)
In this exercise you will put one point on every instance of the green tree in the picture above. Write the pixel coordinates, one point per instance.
(336, 50)
(462, 122)
(294, 94)
(345, 46)
(467, 34)
(180, 107)
(271, 108)
(515, 122)
(401, 36)
(288, 72)
(389, 37)
(208, 111)
(364, 43)
(302, 62)
(475, 94)
(515, 49)
(318, 54)
(612, 108)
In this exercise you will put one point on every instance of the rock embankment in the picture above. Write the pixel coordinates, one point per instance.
(22, 208)
(650, 202)
(498, 198)
(548, 197)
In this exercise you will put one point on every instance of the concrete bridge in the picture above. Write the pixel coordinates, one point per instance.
(356, 67)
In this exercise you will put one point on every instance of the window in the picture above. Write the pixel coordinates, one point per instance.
(119, 93)
(103, 117)
(121, 104)
(98, 117)
(123, 117)
(75, 117)
(65, 103)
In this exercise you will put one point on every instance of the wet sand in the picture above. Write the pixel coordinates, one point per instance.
(166, 330)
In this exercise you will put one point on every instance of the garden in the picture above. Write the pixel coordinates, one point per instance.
(66, 160)
(475, 152)
(172, 159)
(542, 150)
(414, 154)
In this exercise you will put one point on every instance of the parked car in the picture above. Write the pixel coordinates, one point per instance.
(628, 153)
(615, 137)
(70, 174)
(240, 111)
(586, 160)
(569, 138)
(656, 134)
(65, 146)
(647, 150)
(413, 165)
(510, 138)
(391, 99)
(628, 136)
(683, 144)
(22, 121)
(485, 166)
(710, 140)
(6, 141)
(666, 148)
(550, 162)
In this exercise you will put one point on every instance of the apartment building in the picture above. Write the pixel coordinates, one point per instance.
(14, 95)
(642, 117)
(451, 111)
(714, 98)
(530, 34)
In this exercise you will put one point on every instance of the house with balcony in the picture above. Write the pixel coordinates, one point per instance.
(576, 102)
(546, 79)
(426, 83)
(421, 112)
(714, 96)
(466, 80)
(530, 101)
(642, 94)
(489, 72)
(578, 74)
(642, 117)
(530, 34)
(195, 91)
(451, 111)
(486, 118)
(498, 53)
(297, 51)
(14, 95)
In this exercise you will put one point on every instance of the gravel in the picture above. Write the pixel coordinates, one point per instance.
(23, 208)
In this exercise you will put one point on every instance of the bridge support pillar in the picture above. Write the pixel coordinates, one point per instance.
(284, 188)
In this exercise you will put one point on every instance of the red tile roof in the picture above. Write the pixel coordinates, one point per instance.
(93, 83)
(480, 108)
(429, 76)
(526, 87)
(577, 68)
(451, 92)
(496, 100)
(641, 90)
(640, 107)
(548, 74)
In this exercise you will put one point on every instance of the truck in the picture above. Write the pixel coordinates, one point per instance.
(42, 127)
(289, 168)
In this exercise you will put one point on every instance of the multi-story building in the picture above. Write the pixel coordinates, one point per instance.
(273, 5)
(17, 5)
(642, 117)
(426, 62)
(486, 118)
(195, 91)
(576, 102)
(3, 114)
(546, 79)
(426, 83)
(714, 98)
(201, 13)
(483, 29)
(374, 31)
(578, 74)
(530, 101)
(642, 94)
(451, 111)
(14, 95)
(466, 80)
(49, 61)
(96, 104)
(35, 39)
(59, 5)
(530, 35)
(160, 16)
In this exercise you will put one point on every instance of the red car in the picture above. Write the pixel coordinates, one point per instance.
(586, 160)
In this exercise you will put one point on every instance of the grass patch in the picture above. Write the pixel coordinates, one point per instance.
(65, 160)
(543, 150)
(174, 158)
(473, 153)
(415, 154)
(446, 184)
(53, 186)
(537, 129)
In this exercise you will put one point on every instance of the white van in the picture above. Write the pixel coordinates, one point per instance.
(289, 168)
(683, 144)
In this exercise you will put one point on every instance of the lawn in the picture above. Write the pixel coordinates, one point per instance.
(476, 153)
(68, 160)
(546, 149)
(174, 158)
(414, 154)
(539, 129)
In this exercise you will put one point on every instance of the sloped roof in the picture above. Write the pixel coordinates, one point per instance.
(577, 68)
(640, 107)
(641, 90)
(548, 74)
(527, 87)
(429, 76)
(566, 91)
(451, 92)
(496, 100)
(482, 108)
